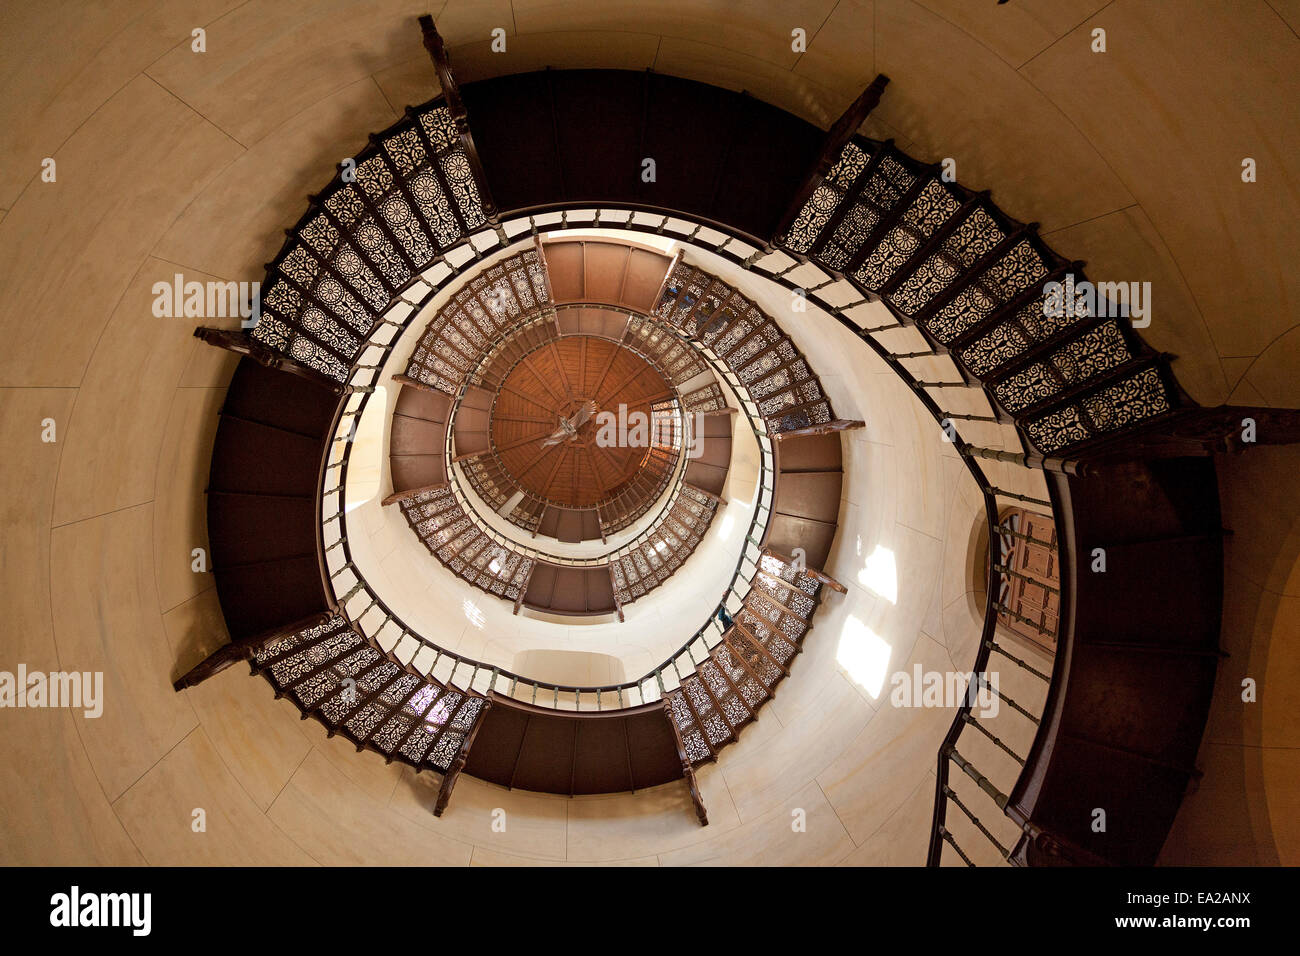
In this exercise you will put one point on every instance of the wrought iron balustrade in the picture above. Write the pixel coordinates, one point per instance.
(869, 225)
(739, 250)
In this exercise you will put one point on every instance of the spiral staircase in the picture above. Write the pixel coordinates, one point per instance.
(836, 220)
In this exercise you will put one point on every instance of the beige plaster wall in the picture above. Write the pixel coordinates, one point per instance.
(170, 160)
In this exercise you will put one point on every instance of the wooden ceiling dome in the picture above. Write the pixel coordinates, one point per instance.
(551, 347)
(522, 370)
(575, 465)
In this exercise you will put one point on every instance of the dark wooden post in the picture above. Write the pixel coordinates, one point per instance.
(837, 137)
(826, 428)
(688, 772)
(1195, 431)
(397, 496)
(1061, 466)
(1040, 847)
(460, 117)
(242, 344)
(243, 649)
(458, 763)
(402, 379)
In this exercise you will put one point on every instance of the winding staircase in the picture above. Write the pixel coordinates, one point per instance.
(620, 325)
(843, 220)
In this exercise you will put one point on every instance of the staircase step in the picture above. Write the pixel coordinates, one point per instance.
(1017, 265)
(725, 692)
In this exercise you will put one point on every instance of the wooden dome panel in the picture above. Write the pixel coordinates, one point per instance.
(606, 272)
(591, 320)
(552, 383)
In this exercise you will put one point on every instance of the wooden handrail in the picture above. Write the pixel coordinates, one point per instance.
(826, 428)
(841, 131)
(459, 115)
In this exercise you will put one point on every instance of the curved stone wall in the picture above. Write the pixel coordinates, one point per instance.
(171, 162)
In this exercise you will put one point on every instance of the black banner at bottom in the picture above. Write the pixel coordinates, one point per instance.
(586, 907)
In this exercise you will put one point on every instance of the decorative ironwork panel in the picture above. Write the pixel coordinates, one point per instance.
(388, 708)
(367, 240)
(1075, 363)
(475, 320)
(812, 218)
(1133, 399)
(927, 213)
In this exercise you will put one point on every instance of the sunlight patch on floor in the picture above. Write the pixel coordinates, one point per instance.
(864, 656)
(879, 574)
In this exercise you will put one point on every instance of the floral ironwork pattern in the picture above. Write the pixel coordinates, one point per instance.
(366, 239)
(763, 357)
(359, 691)
(1133, 399)
(740, 673)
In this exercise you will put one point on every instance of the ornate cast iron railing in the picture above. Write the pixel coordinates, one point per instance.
(774, 265)
(351, 592)
(869, 224)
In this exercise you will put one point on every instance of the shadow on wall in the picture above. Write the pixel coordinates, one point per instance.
(1246, 809)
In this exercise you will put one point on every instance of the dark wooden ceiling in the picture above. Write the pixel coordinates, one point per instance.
(552, 382)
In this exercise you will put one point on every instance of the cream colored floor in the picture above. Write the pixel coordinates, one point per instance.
(169, 160)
